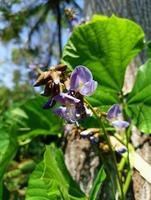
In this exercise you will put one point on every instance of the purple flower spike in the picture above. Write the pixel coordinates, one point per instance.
(113, 112)
(81, 81)
(64, 98)
(120, 124)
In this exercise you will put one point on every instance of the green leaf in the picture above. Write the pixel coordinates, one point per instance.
(12, 118)
(139, 100)
(39, 121)
(148, 48)
(8, 137)
(37, 189)
(97, 184)
(106, 45)
(52, 179)
(1, 190)
(103, 97)
(8, 147)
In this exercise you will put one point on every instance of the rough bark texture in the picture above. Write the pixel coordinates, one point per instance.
(137, 10)
(80, 157)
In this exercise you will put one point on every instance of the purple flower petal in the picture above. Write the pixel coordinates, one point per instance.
(67, 113)
(64, 98)
(61, 111)
(120, 124)
(94, 139)
(79, 76)
(113, 112)
(121, 149)
(88, 88)
(74, 22)
(49, 104)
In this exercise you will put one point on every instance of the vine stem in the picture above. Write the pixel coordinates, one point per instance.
(108, 172)
(128, 181)
(119, 182)
(127, 132)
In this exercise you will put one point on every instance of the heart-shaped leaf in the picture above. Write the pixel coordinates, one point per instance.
(105, 45)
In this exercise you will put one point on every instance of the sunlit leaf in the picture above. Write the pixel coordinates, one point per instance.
(40, 120)
(139, 100)
(8, 148)
(106, 45)
(51, 180)
(37, 189)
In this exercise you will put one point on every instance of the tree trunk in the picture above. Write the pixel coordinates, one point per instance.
(137, 10)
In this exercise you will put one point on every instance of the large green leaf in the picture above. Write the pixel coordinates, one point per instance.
(106, 45)
(9, 124)
(37, 189)
(103, 97)
(51, 180)
(39, 121)
(139, 100)
(8, 148)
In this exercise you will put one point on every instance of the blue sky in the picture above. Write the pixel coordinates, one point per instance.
(7, 67)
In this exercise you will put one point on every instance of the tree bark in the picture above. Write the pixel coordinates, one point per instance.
(137, 10)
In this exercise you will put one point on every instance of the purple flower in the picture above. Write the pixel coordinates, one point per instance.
(61, 111)
(121, 149)
(113, 112)
(65, 99)
(73, 23)
(49, 104)
(81, 81)
(69, 111)
(113, 117)
(120, 124)
(94, 139)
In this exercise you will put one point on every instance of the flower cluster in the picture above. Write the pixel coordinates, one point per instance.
(81, 84)
(93, 134)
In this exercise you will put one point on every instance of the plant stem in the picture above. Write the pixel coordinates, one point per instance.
(119, 182)
(127, 145)
(109, 174)
(127, 182)
(121, 164)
